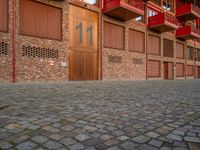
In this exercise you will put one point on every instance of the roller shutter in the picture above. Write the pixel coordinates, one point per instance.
(4, 15)
(153, 68)
(179, 70)
(40, 20)
(153, 45)
(179, 50)
(136, 41)
(114, 36)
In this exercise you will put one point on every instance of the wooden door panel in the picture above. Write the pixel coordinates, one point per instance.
(83, 44)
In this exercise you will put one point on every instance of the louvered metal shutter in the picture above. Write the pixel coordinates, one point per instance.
(190, 71)
(153, 45)
(168, 48)
(136, 41)
(40, 20)
(179, 50)
(153, 68)
(114, 36)
(179, 70)
(4, 15)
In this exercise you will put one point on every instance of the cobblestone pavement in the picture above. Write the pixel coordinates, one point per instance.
(115, 115)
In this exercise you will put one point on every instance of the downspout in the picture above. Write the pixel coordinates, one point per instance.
(101, 47)
(145, 21)
(14, 43)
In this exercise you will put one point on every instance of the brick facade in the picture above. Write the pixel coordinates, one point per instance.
(116, 64)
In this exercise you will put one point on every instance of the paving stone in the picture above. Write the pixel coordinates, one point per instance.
(91, 148)
(165, 148)
(152, 134)
(77, 146)
(129, 145)
(52, 145)
(90, 128)
(123, 138)
(106, 137)
(147, 147)
(192, 139)
(114, 148)
(174, 137)
(68, 141)
(111, 142)
(5, 145)
(156, 143)
(178, 132)
(141, 139)
(180, 144)
(39, 139)
(28, 145)
(82, 137)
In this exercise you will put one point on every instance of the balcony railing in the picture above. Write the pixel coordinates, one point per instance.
(123, 9)
(162, 22)
(187, 11)
(188, 32)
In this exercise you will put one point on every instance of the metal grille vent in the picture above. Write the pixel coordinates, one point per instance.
(114, 59)
(3, 48)
(38, 52)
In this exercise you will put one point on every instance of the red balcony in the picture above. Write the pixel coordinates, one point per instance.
(198, 22)
(162, 22)
(123, 9)
(187, 11)
(188, 32)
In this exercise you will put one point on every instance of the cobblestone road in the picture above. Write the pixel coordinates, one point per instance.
(128, 115)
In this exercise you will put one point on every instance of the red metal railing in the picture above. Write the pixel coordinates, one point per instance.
(161, 18)
(134, 3)
(187, 30)
(182, 8)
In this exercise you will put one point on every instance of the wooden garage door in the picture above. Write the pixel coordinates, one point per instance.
(153, 70)
(83, 45)
(179, 70)
(3, 15)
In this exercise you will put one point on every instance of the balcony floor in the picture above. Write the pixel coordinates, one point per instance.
(192, 35)
(124, 13)
(163, 27)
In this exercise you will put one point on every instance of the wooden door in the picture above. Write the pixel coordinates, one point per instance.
(83, 45)
(198, 72)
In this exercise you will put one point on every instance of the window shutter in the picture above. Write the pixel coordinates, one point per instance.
(4, 15)
(153, 68)
(40, 20)
(179, 50)
(136, 41)
(179, 70)
(168, 48)
(114, 36)
(190, 71)
(153, 45)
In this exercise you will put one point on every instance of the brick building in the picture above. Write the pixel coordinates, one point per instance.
(55, 40)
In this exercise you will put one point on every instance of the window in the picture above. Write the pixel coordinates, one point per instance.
(190, 53)
(90, 1)
(114, 36)
(153, 45)
(168, 48)
(168, 5)
(156, 1)
(179, 50)
(4, 15)
(136, 41)
(152, 12)
(40, 20)
(198, 54)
